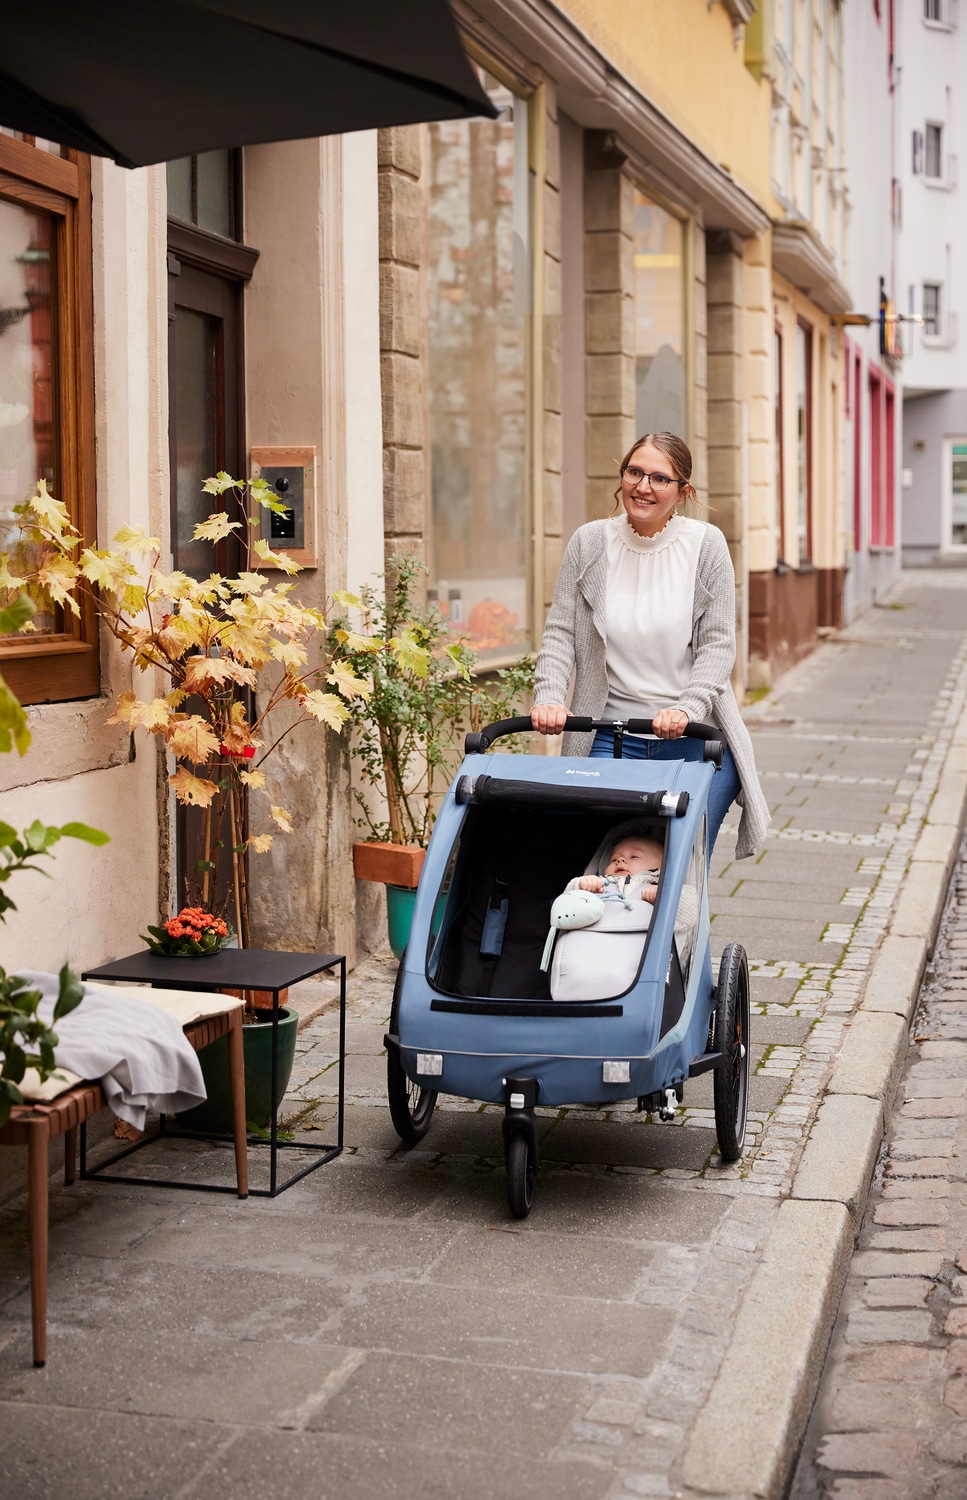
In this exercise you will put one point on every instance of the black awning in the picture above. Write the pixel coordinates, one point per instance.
(146, 81)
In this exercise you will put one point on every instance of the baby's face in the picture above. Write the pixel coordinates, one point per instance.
(634, 857)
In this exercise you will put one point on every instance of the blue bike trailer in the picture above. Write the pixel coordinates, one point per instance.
(472, 1011)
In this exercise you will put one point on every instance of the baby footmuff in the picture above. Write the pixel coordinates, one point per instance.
(495, 1001)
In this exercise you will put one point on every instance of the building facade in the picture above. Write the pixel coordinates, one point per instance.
(873, 369)
(460, 328)
(932, 50)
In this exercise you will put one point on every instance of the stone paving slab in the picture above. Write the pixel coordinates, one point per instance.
(625, 1322)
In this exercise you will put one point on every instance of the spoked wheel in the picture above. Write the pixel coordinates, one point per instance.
(410, 1104)
(730, 1083)
(521, 1175)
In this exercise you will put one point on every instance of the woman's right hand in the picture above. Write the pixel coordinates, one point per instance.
(549, 718)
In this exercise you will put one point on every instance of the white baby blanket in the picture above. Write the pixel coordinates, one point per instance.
(137, 1051)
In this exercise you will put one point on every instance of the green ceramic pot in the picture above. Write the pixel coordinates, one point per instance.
(214, 1117)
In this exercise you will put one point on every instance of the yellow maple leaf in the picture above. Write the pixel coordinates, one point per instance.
(244, 643)
(355, 642)
(9, 580)
(192, 790)
(344, 678)
(347, 600)
(107, 569)
(215, 528)
(248, 583)
(203, 671)
(134, 598)
(283, 820)
(328, 708)
(280, 560)
(57, 577)
(191, 738)
(124, 709)
(410, 653)
(261, 842)
(254, 779)
(135, 539)
(289, 654)
(54, 512)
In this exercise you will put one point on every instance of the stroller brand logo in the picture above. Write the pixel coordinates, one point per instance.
(582, 773)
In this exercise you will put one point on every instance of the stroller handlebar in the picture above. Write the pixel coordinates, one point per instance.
(478, 743)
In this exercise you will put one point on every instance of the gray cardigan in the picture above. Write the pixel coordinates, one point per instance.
(574, 640)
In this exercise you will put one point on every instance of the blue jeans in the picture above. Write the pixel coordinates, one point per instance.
(725, 783)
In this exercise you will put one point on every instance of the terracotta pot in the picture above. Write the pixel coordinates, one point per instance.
(389, 864)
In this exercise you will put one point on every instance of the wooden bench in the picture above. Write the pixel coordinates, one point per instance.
(35, 1125)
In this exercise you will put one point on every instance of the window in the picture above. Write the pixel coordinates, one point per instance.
(207, 270)
(957, 485)
(780, 483)
(857, 452)
(933, 152)
(690, 903)
(882, 470)
(804, 431)
(660, 403)
(931, 310)
(479, 297)
(932, 10)
(203, 190)
(47, 389)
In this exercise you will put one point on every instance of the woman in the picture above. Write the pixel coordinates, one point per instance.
(644, 615)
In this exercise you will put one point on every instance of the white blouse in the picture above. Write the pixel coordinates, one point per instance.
(650, 599)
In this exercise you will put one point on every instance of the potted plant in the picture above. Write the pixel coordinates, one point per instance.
(242, 665)
(408, 725)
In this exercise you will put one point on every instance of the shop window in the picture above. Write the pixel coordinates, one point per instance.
(661, 402)
(957, 484)
(479, 299)
(46, 390)
(780, 521)
(804, 439)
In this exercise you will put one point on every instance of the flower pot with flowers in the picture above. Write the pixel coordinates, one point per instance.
(409, 724)
(193, 933)
(215, 648)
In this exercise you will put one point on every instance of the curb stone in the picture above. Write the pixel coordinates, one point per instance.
(749, 1432)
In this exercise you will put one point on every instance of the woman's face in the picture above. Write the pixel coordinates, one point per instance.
(648, 509)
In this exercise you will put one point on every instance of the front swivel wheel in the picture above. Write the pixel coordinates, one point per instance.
(521, 1175)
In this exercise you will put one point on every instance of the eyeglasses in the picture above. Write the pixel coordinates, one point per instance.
(658, 482)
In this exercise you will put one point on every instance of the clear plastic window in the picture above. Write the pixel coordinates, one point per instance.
(690, 903)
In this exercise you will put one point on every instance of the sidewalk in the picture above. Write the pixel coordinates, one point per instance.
(890, 1420)
(658, 1324)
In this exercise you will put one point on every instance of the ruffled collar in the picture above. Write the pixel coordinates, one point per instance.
(649, 545)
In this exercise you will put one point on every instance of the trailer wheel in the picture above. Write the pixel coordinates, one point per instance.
(521, 1175)
(410, 1104)
(730, 1083)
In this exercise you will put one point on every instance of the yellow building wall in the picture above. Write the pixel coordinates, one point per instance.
(684, 58)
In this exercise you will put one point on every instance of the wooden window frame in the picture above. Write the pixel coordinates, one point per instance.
(62, 666)
(779, 354)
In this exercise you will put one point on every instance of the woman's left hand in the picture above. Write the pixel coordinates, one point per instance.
(670, 723)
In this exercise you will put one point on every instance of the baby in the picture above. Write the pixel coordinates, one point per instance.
(634, 866)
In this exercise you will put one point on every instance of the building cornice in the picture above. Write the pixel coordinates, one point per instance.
(597, 95)
(799, 256)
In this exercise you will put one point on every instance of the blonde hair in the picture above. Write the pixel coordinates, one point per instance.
(679, 455)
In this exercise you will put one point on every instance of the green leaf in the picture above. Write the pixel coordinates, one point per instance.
(13, 722)
(7, 835)
(38, 837)
(82, 831)
(70, 993)
(14, 616)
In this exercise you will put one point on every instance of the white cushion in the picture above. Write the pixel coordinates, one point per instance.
(42, 1093)
(185, 1005)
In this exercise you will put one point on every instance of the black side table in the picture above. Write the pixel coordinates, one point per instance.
(233, 969)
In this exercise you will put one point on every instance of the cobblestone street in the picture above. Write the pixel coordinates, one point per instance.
(891, 1418)
(386, 1328)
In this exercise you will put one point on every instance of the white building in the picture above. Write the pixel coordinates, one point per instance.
(872, 404)
(932, 57)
